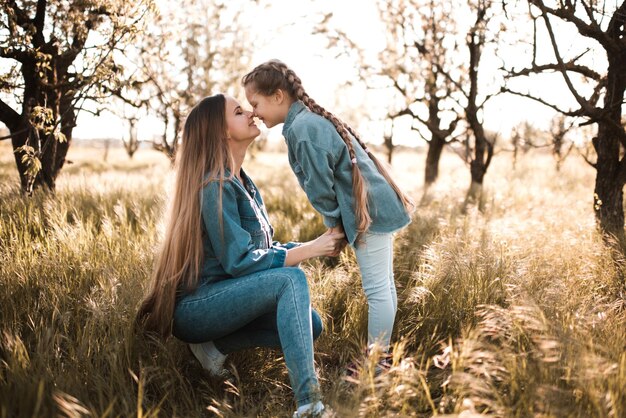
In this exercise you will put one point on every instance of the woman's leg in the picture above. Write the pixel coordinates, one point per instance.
(261, 332)
(216, 310)
(374, 256)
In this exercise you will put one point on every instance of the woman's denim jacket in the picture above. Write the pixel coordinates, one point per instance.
(238, 238)
(321, 162)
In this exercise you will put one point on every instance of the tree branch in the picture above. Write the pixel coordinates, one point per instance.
(8, 116)
(11, 135)
(567, 13)
(450, 79)
(14, 54)
(21, 16)
(487, 98)
(594, 165)
(573, 113)
(39, 22)
(570, 66)
(584, 105)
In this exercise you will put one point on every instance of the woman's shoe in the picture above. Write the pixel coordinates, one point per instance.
(313, 410)
(211, 359)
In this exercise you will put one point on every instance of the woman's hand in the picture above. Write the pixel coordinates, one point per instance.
(338, 230)
(328, 244)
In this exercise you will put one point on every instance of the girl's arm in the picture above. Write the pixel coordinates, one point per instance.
(318, 167)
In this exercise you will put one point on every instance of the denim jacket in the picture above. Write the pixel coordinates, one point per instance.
(242, 244)
(321, 162)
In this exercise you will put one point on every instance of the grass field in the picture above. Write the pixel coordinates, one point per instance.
(516, 311)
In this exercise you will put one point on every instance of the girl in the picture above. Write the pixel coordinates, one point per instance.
(342, 179)
(220, 283)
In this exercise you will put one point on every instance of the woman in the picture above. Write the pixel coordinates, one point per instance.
(220, 283)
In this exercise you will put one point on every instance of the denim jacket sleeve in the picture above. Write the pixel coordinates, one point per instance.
(318, 169)
(232, 244)
(286, 245)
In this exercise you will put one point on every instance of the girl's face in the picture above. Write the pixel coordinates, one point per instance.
(269, 109)
(240, 122)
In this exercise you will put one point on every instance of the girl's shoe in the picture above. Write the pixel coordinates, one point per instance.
(211, 359)
(383, 365)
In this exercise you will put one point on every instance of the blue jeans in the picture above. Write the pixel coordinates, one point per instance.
(374, 254)
(270, 308)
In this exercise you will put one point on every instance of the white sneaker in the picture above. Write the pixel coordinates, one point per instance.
(211, 359)
(312, 410)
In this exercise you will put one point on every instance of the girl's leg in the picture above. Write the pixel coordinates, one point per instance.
(375, 262)
(261, 332)
(216, 310)
(392, 282)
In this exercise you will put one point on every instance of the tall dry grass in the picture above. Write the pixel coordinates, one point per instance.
(517, 311)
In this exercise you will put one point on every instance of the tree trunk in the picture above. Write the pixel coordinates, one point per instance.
(474, 194)
(52, 156)
(389, 146)
(611, 172)
(435, 148)
(608, 198)
(18, 139)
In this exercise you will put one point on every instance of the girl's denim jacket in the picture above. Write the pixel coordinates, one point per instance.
(321, 162)
(241, 243)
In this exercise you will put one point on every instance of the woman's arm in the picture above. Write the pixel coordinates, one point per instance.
(231, 243)
(324, 245)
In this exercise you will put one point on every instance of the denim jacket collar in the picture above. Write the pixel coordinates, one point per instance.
(295, 108)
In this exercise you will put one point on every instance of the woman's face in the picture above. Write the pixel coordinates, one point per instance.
(240, 124)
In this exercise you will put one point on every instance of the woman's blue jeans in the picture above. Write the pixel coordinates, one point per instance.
(270, 308)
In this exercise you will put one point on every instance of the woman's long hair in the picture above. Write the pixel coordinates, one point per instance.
(272, 75)
(178, 263)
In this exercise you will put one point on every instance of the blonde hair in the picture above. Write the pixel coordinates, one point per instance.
(272, 75)
(178, 262)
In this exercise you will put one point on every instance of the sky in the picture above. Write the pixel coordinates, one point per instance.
(290, 40)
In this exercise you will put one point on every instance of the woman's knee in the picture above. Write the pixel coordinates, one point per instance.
(316, 323)
(296, 279)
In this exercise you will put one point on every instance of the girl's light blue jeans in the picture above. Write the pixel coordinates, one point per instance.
(374, 254)
(270, 308)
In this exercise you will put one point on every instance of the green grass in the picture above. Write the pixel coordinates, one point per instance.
(517, 311)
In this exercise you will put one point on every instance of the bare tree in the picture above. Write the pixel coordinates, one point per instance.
(559, 128)
(524, 137)
(478, 36)
(431, 64)
(190, 53)
(131, 144)
(388, 138)
(419, 50)
(419, 56)
(600, 29)
(54, 63)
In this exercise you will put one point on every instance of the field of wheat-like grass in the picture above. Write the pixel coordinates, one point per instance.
(515, 311)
